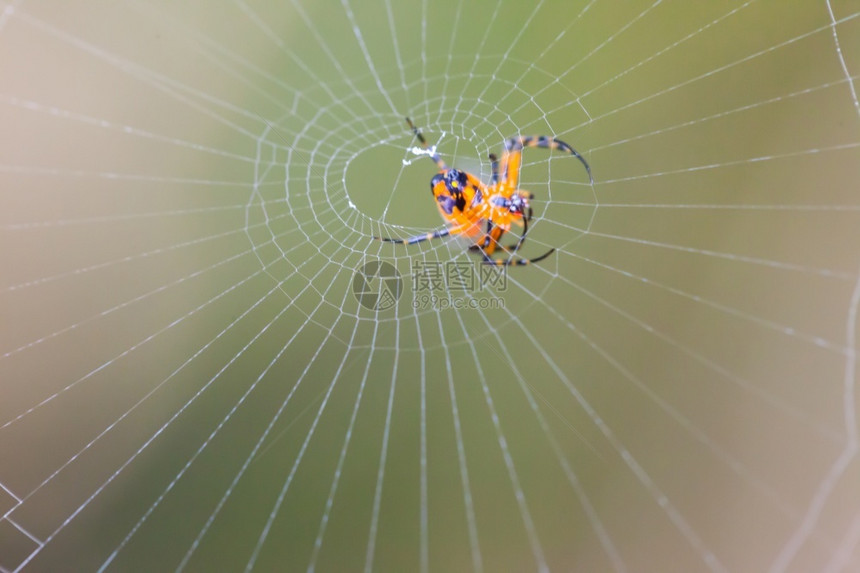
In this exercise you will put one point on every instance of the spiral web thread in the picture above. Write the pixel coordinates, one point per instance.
(190, 383)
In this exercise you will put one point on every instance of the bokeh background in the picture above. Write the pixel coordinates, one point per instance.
(187, 381)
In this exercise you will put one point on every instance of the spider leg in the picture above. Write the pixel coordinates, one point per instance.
(485, 240)
(431, 151)
(490, 240)
(516, 246)
(417, 238)
(488, 260)
(494, 162)
(514, 146)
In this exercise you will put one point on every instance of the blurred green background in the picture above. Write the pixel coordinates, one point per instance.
(187, 381)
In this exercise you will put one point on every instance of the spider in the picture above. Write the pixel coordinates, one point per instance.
(466, 203)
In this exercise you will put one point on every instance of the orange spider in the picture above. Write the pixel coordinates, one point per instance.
(466, 203)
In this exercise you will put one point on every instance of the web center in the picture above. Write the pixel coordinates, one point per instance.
(382, 187)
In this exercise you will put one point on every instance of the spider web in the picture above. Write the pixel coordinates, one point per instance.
(188, 381)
